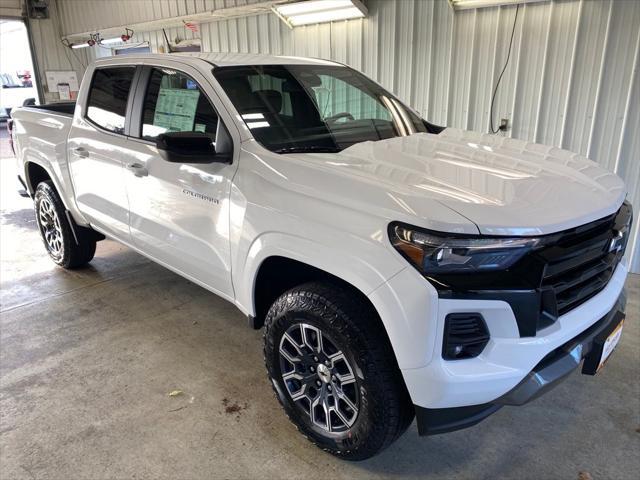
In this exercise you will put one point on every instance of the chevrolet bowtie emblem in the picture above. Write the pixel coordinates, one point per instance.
(615, 245)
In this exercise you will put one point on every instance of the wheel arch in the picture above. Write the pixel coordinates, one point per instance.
(36, 173)
(362, 268)
(278, 274)
(270, 283)
(308, 260)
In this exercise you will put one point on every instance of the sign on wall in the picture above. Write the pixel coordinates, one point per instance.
(65, 80)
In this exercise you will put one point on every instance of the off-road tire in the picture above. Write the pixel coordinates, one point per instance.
(52, 220)
(385, 408)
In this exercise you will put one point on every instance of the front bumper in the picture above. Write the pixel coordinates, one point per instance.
(506, 360)
(550, 371)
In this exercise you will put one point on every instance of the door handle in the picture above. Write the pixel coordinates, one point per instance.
(138, 169)
(80, 152)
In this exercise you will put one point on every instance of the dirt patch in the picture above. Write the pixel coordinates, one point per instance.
(233, 408)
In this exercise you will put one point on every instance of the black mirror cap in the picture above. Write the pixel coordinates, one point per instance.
(189, 147)
(195, 142)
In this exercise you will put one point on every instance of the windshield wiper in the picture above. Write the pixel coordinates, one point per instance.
(307, 149)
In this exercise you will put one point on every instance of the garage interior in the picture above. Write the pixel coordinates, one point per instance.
(88, 357)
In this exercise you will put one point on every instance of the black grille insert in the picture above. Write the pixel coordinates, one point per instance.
(580, 264)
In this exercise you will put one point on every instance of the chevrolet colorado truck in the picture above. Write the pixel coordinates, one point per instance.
(401, 270)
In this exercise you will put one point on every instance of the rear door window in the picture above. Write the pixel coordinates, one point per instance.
(174, 102)
(108, 95)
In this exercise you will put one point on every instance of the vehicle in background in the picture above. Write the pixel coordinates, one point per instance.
(400, 269)
(14, 92)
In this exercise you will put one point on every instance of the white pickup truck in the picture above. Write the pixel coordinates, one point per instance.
(400, 269)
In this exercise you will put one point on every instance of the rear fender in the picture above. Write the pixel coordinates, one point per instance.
(54, 171)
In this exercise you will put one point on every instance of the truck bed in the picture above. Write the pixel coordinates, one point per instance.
(61, 108)
(41, 138)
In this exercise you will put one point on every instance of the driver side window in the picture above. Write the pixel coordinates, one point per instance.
(335, 96)
(175, 103)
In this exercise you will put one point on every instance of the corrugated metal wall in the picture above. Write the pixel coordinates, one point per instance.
(50, 53)
(572, 80)
(10, 8)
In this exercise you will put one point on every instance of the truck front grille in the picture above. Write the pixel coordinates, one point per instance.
(581, 262)
(576, 286)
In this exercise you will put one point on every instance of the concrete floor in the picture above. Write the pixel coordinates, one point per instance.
(88, 357)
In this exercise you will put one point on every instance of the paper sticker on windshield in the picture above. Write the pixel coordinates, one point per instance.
(200, 127)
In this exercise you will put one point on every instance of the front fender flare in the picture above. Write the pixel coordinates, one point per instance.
(353, 269)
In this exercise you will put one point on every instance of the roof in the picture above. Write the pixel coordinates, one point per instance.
(228, 59)
(231, 59)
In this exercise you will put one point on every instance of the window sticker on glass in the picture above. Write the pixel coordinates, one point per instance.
(176, 109)
(200, 127)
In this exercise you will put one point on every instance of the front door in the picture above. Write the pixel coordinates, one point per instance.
(179, 212)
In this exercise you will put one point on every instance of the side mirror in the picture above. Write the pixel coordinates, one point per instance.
(189, 147)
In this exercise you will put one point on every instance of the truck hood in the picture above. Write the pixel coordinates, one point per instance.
(504, 186)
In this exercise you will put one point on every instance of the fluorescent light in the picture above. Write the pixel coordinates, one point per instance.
(469, 4)
(320, 11)
(80, 45)
(108, 41)
(328, 16)
(312, 6)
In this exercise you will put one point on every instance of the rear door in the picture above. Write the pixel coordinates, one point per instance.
(97, 147)
(179, 212)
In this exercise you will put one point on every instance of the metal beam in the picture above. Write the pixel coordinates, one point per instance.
(171, 22)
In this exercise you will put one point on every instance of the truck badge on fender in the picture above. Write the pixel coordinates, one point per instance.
(200, 196)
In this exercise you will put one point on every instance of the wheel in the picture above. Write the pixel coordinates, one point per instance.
(334, 372)
(56, 231)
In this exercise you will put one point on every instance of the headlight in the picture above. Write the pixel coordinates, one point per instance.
(433, 253)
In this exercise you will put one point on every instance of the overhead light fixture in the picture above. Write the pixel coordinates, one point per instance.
(124, 38)
(471, 4)
(89, 43)
(319, 11)
(108, 41)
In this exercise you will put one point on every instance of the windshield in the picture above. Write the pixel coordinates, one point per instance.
(314, 108)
